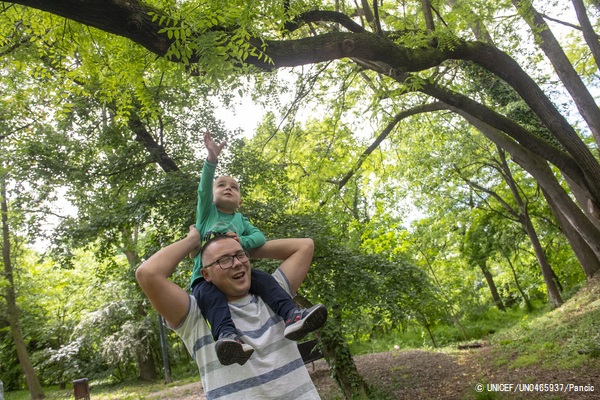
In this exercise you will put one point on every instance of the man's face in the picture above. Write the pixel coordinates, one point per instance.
(226, 194)
(233, 282)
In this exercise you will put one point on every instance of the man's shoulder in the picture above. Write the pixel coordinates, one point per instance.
(193, 314)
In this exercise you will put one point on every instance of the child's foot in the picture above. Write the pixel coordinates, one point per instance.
(231, 349)
(302, 321)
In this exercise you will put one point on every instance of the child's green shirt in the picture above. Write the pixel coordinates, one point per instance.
(208, 218)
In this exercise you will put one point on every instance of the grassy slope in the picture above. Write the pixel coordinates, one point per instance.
(557, 338)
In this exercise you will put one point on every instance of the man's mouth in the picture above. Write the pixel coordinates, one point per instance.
(238, 275)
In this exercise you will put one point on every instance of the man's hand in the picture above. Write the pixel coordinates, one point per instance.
(213, 148)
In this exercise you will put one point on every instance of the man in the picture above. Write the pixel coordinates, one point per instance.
(275, 370)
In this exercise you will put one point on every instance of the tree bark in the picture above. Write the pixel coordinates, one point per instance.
(580, 165)
(132, 19)
(145, 360)
(427, 14)
(338, 356)
(33, 383)
(547, 273)
(528, 305)
(155, 150)
(588, 30)
(489, 278)
(587, 259)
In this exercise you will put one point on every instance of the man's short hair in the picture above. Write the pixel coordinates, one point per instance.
(212, 237)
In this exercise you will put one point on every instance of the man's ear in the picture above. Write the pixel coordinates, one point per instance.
(206, 274)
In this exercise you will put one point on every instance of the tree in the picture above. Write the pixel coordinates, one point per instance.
(375, 69)
(227, 40)
(33, 383)
(181, 39)
(520, 213)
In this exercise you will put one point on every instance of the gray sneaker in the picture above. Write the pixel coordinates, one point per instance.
(302, 321)
(231, 349)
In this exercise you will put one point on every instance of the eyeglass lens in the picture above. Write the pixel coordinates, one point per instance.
(227, 261)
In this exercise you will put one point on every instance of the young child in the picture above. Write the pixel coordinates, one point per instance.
(216, 214)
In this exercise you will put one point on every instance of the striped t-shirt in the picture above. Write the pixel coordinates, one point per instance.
(275, 370)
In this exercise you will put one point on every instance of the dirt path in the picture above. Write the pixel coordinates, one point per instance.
(419, 374)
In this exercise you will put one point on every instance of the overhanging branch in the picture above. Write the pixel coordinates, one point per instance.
(382, 136)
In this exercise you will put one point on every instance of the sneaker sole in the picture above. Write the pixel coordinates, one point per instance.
(313, 321)
(231, 352)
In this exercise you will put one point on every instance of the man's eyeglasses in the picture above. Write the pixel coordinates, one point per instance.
(226, 262)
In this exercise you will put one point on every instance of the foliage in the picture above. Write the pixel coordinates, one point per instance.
(395, 205)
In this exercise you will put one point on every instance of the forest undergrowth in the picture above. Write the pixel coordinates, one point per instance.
(552, 356)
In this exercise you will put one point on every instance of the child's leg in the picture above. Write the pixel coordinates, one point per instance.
(230, 348)
(213, 305)
(295, 253)
(298, 321)
(264, 285)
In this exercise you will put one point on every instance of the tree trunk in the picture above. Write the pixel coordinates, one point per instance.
(427, 14)
(423, 320)
(588, 30)
(146, 363)
(587, 259)
(579, 93)
(528, 305)
(553, 292)
(582, 197)
(580, 164)
(492, 285)
(337, 354)
(134, 20)
(144, 357)
(33, 383)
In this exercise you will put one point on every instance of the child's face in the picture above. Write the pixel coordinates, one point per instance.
(226, 194)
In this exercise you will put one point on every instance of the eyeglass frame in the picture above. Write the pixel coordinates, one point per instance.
(230, 259)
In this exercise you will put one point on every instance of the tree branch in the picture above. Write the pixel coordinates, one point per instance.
(382, 136)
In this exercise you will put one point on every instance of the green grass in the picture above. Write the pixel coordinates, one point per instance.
(478, 327)
(134, 390)
(557, 338)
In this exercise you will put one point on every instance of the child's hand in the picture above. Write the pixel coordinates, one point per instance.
(233, 235)
(213, 148)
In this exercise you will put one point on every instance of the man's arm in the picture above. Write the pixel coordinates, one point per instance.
(169, 300)
(296, 253)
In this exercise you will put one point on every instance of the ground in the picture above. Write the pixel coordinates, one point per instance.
(445, 375)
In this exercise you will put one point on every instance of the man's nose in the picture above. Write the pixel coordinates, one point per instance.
(236, 263)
